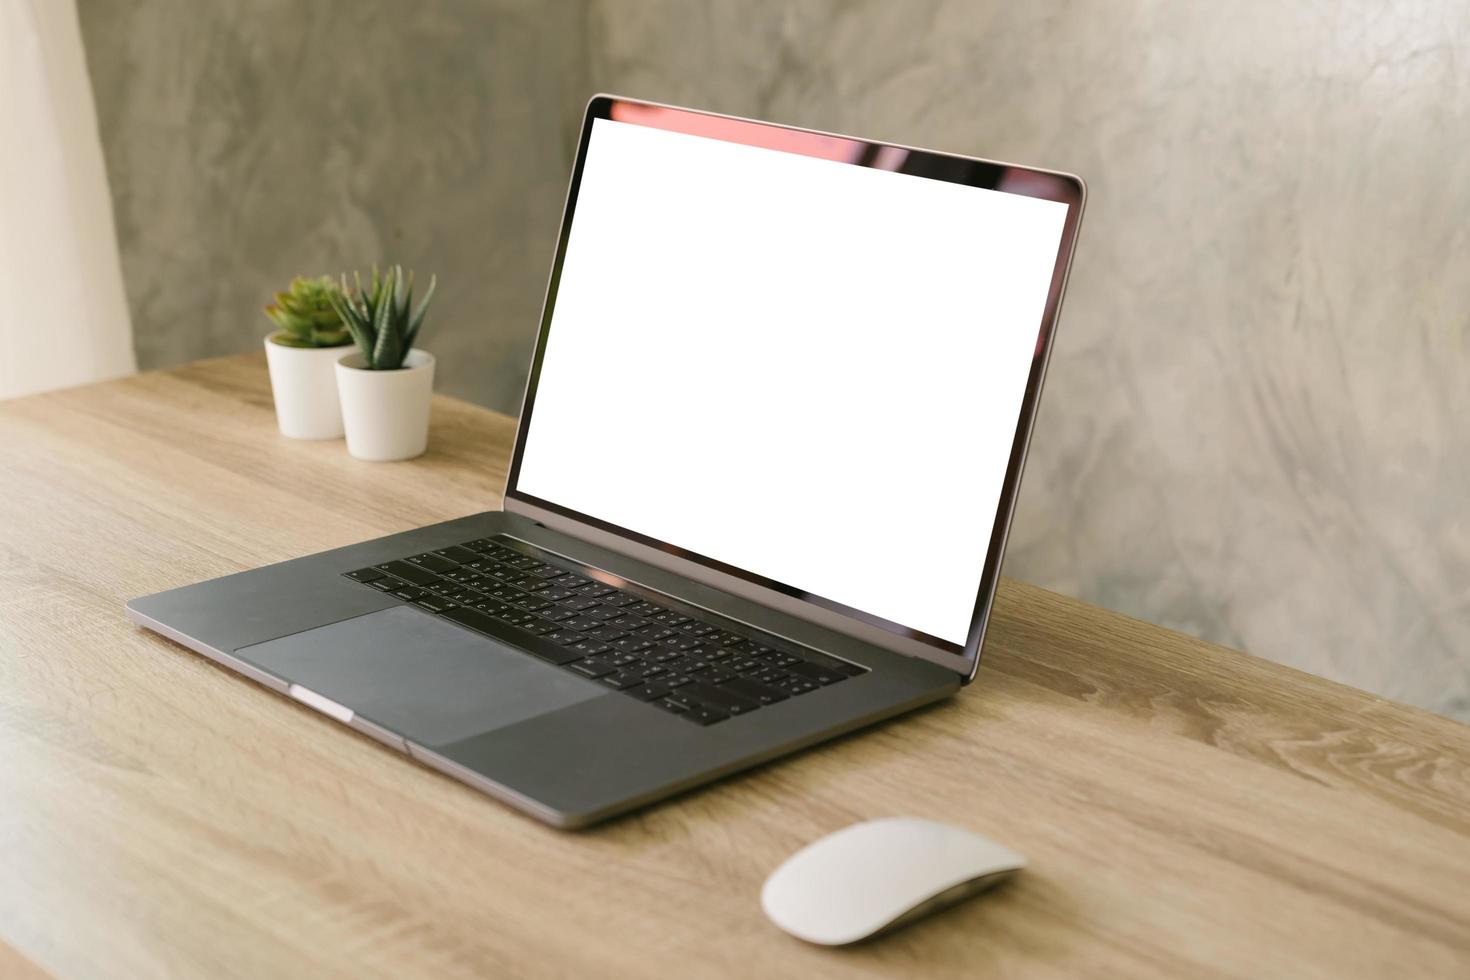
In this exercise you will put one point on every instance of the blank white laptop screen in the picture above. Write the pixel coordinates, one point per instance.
(754, 355)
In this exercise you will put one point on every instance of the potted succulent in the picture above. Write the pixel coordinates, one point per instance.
(302, 355)
(385, 387)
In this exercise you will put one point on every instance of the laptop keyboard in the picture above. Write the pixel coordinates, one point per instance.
(634, 640)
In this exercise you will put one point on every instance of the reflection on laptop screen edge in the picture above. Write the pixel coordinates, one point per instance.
(767, 457)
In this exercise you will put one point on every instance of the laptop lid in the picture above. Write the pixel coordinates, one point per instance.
(798, 367)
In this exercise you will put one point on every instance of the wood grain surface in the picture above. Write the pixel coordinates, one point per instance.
(1188, 810)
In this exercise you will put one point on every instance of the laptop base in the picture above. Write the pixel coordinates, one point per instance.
(563, 748)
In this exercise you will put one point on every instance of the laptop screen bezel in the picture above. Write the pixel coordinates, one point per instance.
(1008, 178)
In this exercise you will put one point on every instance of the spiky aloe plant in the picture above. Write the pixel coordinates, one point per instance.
(379, 317)
(305, 314)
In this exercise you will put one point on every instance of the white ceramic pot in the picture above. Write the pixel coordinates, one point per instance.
(386, 412)
(304, 384)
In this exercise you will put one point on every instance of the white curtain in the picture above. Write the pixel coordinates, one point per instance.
(63, 312)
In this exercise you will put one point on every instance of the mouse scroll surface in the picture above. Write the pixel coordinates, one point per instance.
(878, 875)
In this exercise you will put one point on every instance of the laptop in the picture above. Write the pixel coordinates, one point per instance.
(768, 453)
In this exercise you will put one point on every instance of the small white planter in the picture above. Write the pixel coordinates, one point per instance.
(304, 385)
(386, 413)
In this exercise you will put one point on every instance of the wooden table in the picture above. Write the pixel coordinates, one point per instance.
(1188, 810)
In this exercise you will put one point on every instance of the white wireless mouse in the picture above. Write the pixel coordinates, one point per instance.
(878, 875)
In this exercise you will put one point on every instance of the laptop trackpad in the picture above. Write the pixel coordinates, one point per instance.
(420, 676)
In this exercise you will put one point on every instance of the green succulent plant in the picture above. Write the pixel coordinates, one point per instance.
(378, 317)
(306, 316)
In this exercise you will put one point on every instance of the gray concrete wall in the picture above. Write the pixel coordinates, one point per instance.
(1255, 428)
(249, 140)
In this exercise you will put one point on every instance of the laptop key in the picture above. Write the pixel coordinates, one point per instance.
(593, 668)
(409, 573)
(702, 715)
(555, 656)
(364, 575)
(672, 707)
(473, 618)
(760, 693)
(387, 584)
(432, 562)
(717, 676)
(621, 680)
(434, 604)
(457, 554)
(821, 675)
(647, 692)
